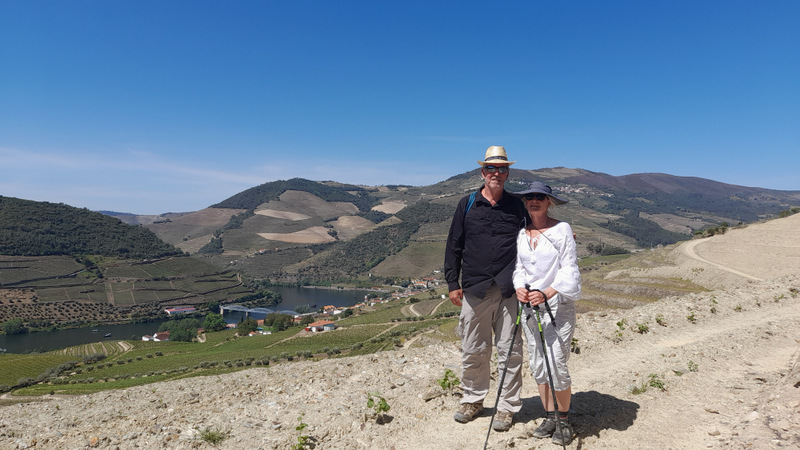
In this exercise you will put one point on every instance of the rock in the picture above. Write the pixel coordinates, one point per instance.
(432, 394)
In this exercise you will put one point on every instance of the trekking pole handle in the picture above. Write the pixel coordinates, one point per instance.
(528, 287)
(546, 306)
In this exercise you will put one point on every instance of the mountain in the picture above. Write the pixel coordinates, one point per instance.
(305, 231)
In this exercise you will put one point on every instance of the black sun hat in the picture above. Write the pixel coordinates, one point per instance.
(537, 187)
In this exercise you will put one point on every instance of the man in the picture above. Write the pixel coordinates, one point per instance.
(481, 248)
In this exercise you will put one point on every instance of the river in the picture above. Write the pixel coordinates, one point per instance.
(292, 297)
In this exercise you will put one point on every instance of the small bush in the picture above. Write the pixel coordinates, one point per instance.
(656, 382)
(449, 380)
(214, 436)
(574, 347)
(93, 358)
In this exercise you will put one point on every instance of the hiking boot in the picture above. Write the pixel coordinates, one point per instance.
(563, 434)
(468, 411)
(545, 429)
(502, 421)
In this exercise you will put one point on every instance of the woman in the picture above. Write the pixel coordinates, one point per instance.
(547, 273)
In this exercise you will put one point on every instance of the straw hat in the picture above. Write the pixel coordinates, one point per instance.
(496, 155)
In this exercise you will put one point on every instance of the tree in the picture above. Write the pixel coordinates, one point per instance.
(211, 306)
(247, 326)
(307, 320)
(278, 322)
(182, 335)
(14, 326)
(214, 322)
(181, 330)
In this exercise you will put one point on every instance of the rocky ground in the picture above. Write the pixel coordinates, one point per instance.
(719, 369)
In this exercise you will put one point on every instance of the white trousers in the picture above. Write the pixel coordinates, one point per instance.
(558, 340)
(480, 318)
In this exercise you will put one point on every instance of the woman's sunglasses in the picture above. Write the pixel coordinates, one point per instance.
(539, 197)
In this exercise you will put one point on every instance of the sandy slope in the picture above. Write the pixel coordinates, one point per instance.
(731, 378)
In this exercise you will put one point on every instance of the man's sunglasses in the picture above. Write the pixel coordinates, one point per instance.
(493, 169)
(537, 196)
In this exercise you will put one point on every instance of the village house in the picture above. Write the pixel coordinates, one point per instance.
(158, 337)
(419, 284)
(161, 336)
(321, 325)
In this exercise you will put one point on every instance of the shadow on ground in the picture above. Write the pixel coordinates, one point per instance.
(590, 412)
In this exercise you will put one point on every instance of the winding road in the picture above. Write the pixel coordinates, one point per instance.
(688, 249)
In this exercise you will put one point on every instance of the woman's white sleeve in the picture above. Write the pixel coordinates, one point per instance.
(568, 277)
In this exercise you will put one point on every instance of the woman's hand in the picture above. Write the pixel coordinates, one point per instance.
(523, 295)
(537, 297)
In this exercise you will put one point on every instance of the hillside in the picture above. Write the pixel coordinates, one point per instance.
(287, 230)
(717, 369)
(45, 291)
(29, 228)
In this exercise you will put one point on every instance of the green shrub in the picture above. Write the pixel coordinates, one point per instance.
(449, 380)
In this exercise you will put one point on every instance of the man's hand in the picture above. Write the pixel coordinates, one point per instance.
(456, 296)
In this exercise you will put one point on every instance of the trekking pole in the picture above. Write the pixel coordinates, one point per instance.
(503, 376)
(546, 359)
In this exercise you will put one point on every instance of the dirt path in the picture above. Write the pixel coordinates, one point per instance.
(718, 373)
(689, 250)
(436, 308)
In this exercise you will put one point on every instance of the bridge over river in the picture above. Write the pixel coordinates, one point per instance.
(249, 311)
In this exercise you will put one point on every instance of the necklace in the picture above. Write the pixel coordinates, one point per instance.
(533, 241)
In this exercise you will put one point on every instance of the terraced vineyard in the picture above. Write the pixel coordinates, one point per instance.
(61, 290)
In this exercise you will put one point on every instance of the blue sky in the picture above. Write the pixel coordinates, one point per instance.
(154, 106)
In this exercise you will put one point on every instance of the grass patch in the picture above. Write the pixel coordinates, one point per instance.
(214, 436)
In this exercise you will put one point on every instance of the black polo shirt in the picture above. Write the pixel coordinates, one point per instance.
(482, 247)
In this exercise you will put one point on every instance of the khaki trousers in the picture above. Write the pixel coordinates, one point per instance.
(480, 318)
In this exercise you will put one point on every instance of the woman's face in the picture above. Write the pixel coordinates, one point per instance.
(537, 203)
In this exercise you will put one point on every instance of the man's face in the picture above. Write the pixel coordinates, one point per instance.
(495, 175)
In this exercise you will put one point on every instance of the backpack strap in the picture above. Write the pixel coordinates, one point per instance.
(469, 203)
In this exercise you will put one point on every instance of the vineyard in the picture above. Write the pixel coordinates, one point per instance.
(16, 366)
(131, 363)
(61, 290)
